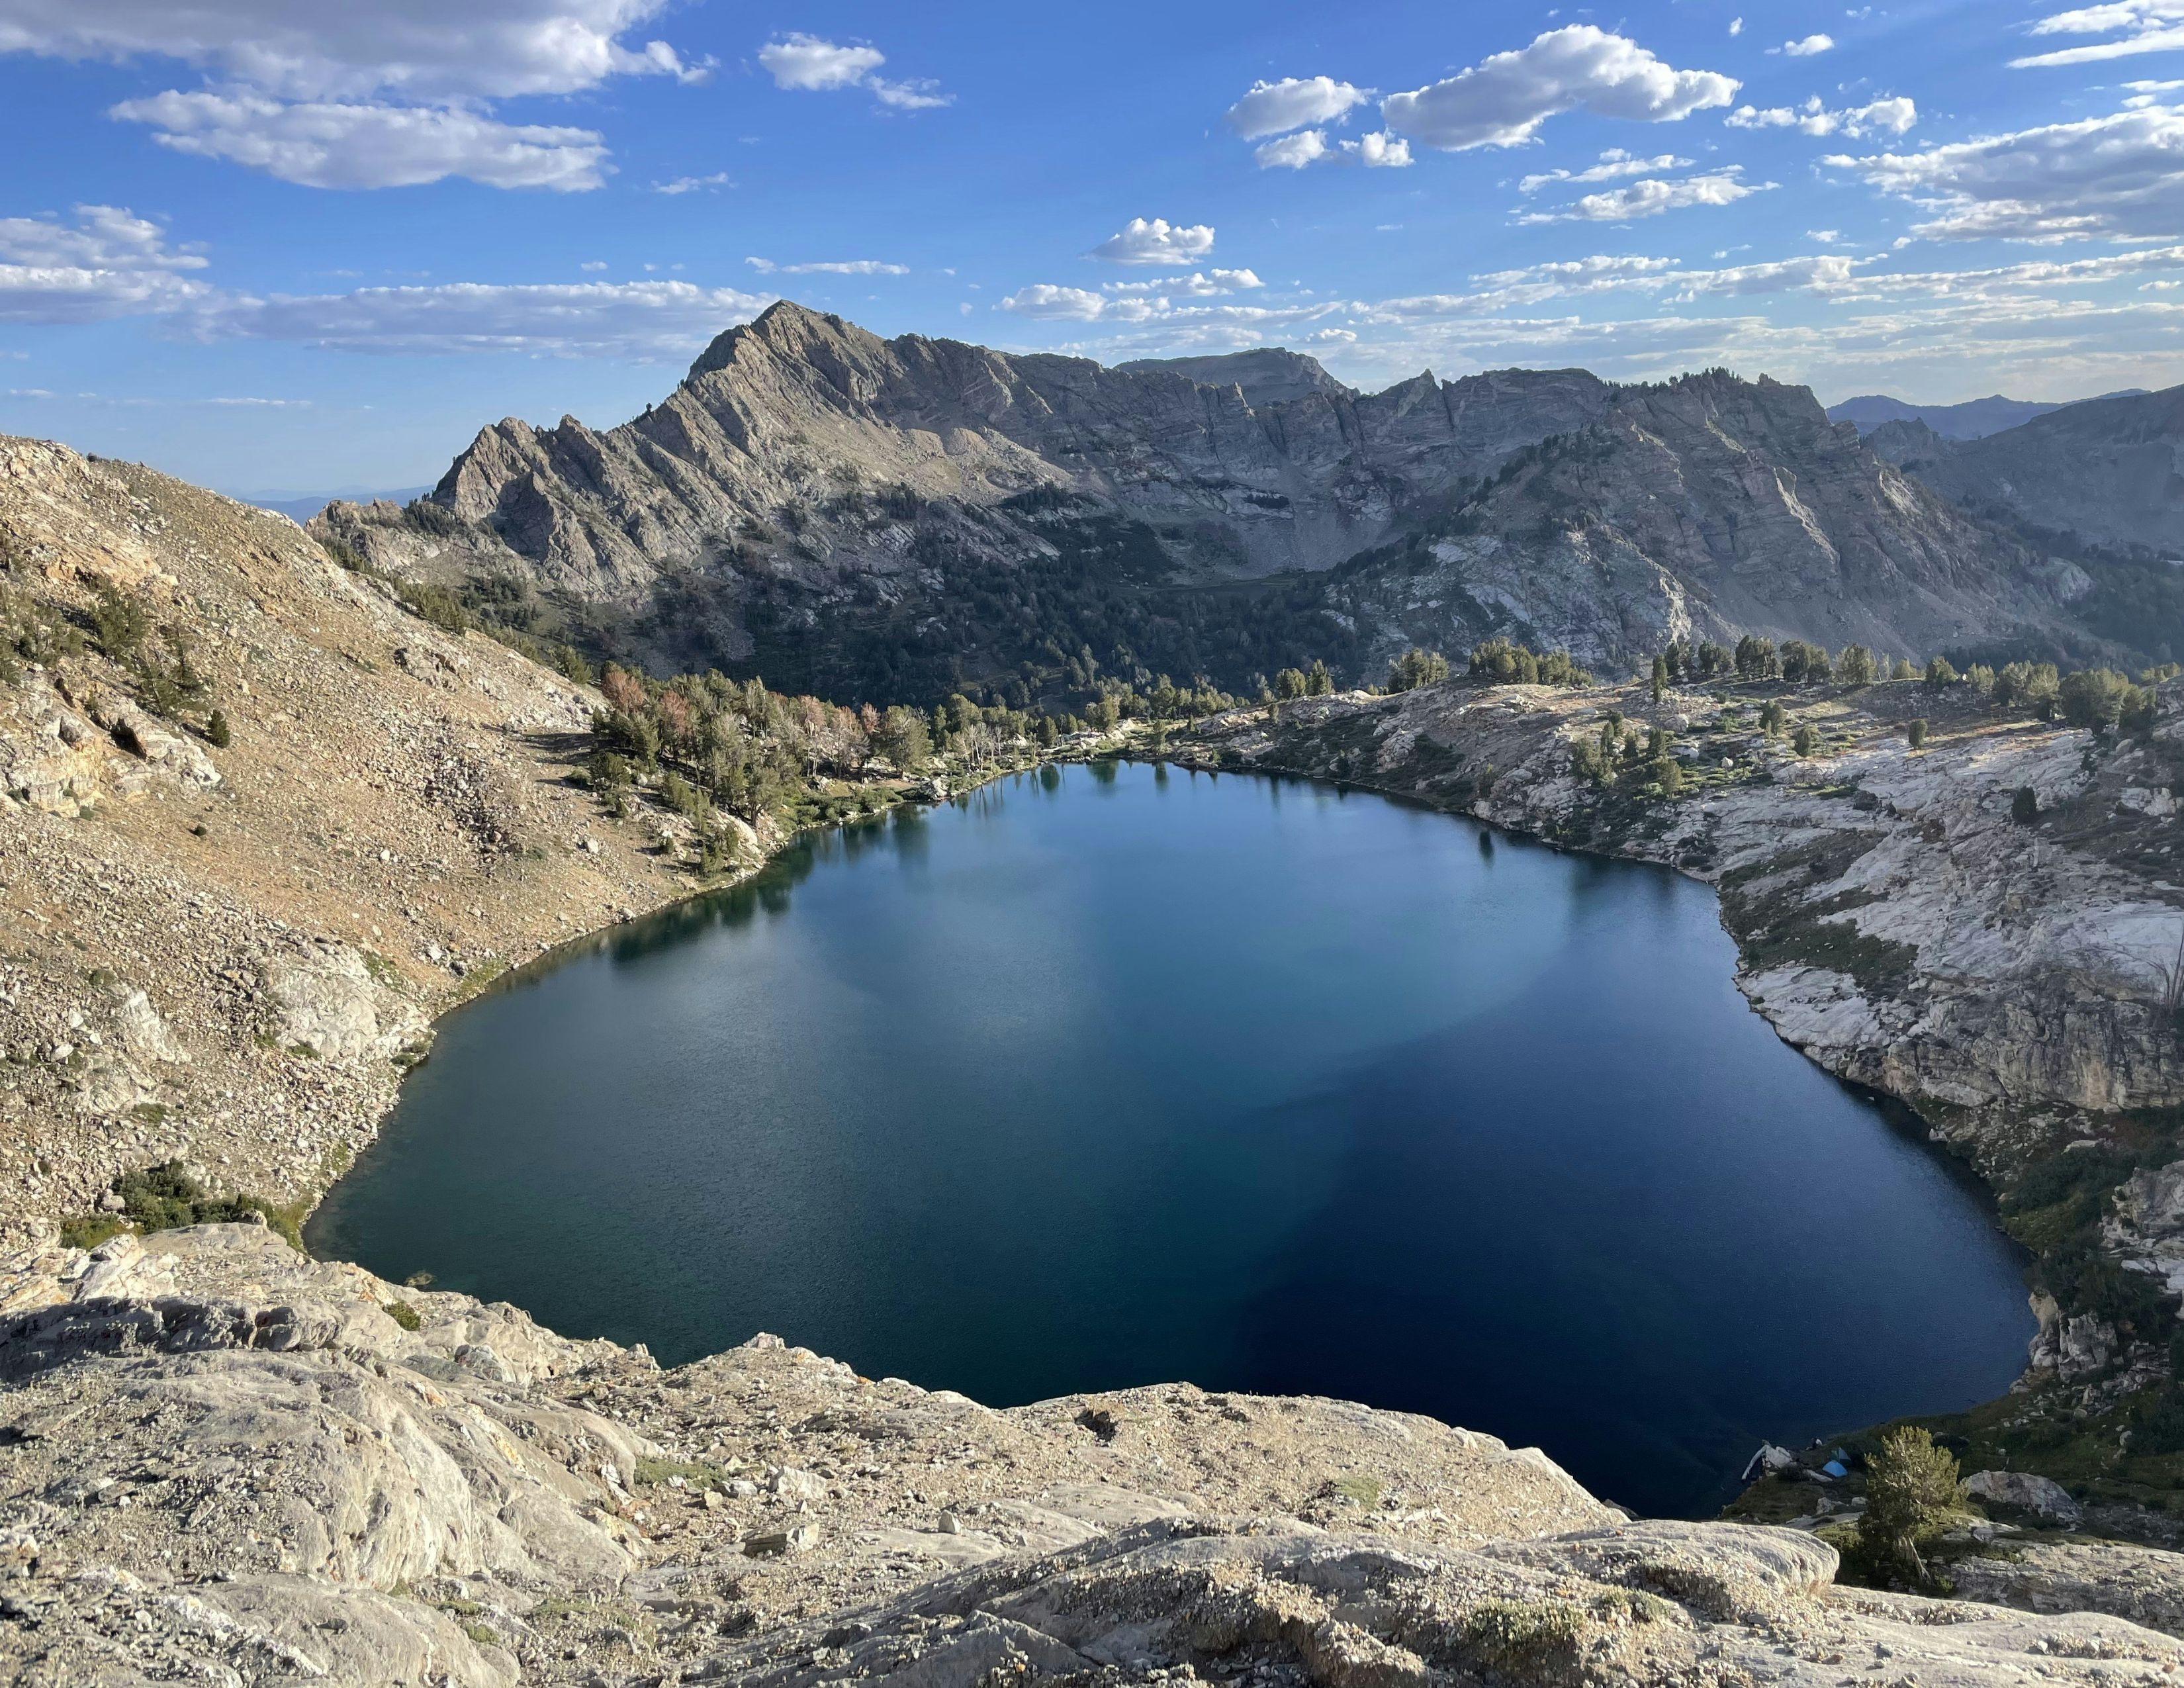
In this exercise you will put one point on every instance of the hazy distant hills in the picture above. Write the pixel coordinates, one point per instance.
(303, 506)
(895, 519)
(1974, 419)
(2107, 472)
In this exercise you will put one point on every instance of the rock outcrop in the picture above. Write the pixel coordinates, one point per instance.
(220, 1461)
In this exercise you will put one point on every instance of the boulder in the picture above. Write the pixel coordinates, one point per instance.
(329, 1001)
(2021, 1491)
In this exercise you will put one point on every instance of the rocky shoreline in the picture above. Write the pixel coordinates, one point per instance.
(2012, 981)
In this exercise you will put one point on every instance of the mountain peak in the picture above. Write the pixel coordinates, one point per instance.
(1268, 375)
(784, 325)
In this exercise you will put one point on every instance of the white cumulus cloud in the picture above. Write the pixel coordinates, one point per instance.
(2115, 177)
(107, 263)
(1379, 151)
(373, 93)
(853, 267)
(1292, 151)
(1652, 197)
(1137, 301)
(1046, 303)
(1810, 46)
(1157, 240)
(1895, 115)
(1503, 100)
(1203, 285)
(2137, 26)
(370, 146)
(809, 63)
(693, 184)
(494, 49)
(646, 320)
(1613, 166)
(1293, 102)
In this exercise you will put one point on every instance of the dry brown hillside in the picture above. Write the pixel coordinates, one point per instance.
(221, 953)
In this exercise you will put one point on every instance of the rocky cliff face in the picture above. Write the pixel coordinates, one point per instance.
(2109, 471)
(1268, 375)
(1704, 509)
(808, 473)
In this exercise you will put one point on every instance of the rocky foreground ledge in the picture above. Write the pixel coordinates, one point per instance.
(222, 1461)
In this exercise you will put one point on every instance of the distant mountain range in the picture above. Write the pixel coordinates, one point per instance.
(303, 506)
(2106, 472)
(894, 519)
(1974, 419)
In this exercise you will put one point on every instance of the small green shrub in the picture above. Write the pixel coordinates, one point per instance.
(1804, 741)
(218, 733)
(2024, 806)
(403, 1315)
(1912, 1496)
(1916, 732)
(89, 1230)
(119, 622)
(166, 1198)
(436, 604)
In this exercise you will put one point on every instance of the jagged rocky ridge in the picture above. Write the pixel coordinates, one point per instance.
(901, 517)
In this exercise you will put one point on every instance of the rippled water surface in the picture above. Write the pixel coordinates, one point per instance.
(1113, 1076)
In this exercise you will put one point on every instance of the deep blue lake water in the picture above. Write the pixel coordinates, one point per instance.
(1106, 1077)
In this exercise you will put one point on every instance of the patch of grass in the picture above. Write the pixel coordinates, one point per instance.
(149, 1113)
(1635, 1604)
(1777, 926)
(1770, 1500)
(1513, 1632)
(89, 1230)
(1358, 1490)
(382, 969)
(482, 1635)
(695, 1473)
(304, 1051)
(403, 1315)
(482, 974)
(1880, 967)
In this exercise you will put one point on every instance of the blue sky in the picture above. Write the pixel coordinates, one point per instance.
(266, 249)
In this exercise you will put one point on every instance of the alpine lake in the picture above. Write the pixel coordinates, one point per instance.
(1115, 1074)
